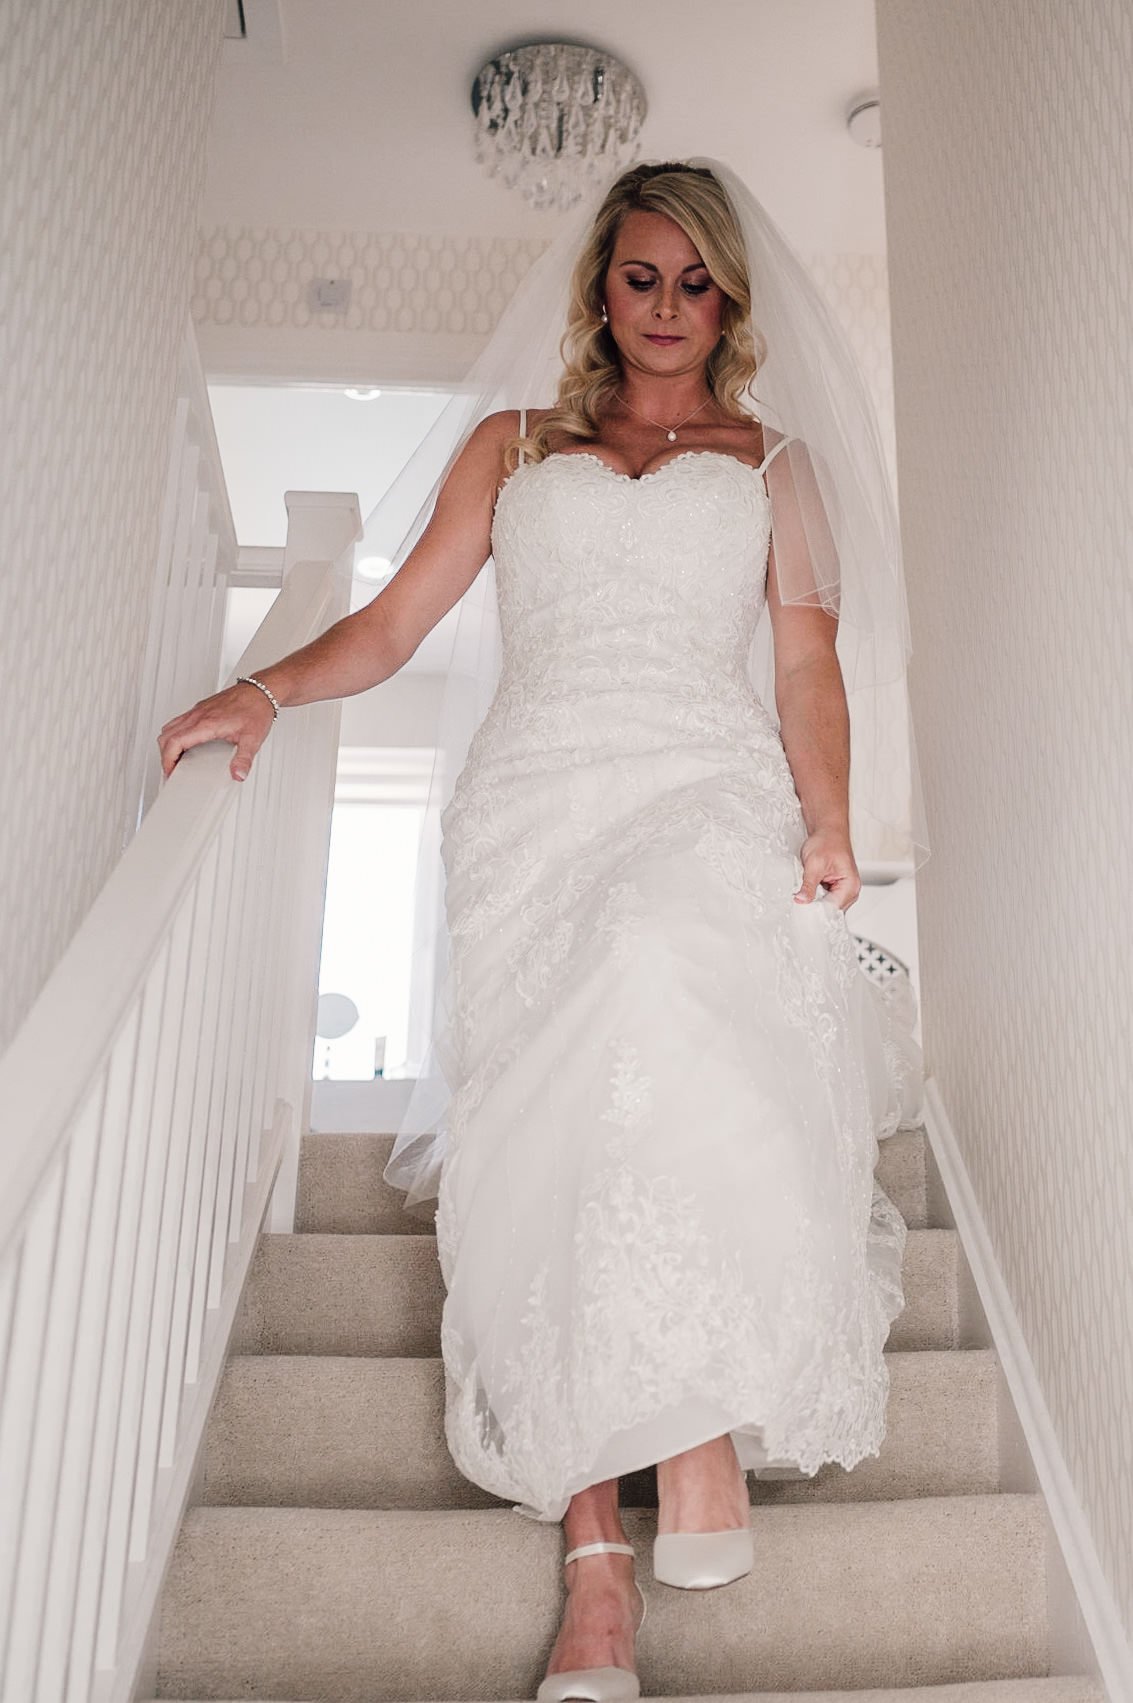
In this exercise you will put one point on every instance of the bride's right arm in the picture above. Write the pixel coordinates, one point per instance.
(370, 645)
(448, 555)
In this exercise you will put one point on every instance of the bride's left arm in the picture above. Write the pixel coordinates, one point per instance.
(814, 726)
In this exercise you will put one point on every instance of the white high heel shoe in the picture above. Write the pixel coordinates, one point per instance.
(595, 1685)
(699, 1561)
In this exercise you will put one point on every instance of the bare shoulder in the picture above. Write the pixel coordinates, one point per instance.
(494, 430)
(490, 437)
(504, 423)
(743, 435)
(509, 419)
(760, 437)
(481, 459)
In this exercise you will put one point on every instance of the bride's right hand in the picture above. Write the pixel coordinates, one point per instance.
(241, 714)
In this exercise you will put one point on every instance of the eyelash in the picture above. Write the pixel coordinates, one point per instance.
(647, 284)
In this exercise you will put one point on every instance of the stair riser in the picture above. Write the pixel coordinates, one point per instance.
(305, 1431)
(382, 1295)
(353, 1607)
(341, 1188)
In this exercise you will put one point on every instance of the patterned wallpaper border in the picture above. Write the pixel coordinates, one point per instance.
(258, 279)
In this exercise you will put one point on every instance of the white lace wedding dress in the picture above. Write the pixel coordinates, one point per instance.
(657, 1218)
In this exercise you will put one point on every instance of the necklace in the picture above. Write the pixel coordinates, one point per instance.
(669, 431)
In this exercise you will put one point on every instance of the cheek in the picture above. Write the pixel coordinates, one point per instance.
(622, 302)
(709, 312)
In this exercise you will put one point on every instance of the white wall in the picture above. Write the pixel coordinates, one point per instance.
(105, 110)
(1008, 170)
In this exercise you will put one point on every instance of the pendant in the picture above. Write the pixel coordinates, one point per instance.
(672, 437)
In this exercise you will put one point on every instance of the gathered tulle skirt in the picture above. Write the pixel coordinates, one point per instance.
(657, 1216)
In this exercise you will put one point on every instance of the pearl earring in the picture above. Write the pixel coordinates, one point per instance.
(603, 315)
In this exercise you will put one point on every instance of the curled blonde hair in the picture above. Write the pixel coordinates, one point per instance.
(694, 198)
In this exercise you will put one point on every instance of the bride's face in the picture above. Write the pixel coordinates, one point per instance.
(663, 310)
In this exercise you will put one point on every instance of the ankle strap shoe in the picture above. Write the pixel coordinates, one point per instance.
(595, 1685)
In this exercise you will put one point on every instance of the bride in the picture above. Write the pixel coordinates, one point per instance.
(657, 1220)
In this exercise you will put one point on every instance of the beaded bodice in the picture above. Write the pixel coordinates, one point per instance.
(622, 598)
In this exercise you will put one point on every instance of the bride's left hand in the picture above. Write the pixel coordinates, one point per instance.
(828, 857)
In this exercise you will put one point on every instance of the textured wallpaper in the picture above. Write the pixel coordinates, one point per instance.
(259, 278)
(1009, 160)
(104, 109)
(439, 286)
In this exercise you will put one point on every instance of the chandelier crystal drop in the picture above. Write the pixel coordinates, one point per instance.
(553, 118)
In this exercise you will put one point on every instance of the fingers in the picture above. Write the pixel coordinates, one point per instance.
(832, 869)
(246, 749)
(812, 874)
(841, 889)
(172, 745)
(240, 722)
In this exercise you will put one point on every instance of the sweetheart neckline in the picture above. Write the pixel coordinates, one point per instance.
(640, 478)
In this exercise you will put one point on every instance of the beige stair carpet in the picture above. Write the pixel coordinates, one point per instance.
(1059, 1690)
(337, 1556)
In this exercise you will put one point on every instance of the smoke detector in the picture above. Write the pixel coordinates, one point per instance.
(863, 120)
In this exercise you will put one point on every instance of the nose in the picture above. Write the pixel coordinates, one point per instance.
(665, 306)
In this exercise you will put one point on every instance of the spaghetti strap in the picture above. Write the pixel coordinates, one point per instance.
(522, 432)
(773, 453)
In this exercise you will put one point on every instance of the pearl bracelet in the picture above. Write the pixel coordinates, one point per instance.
(252, 681)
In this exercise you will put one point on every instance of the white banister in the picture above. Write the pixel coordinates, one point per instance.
(153, 1101)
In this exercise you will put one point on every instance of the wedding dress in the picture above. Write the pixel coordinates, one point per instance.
(657, 1219)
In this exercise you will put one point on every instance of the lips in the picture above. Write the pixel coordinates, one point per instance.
(662, 342)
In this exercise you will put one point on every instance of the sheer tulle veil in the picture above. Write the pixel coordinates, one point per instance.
(836, 542)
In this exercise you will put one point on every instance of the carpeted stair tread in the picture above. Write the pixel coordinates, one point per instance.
(357, 1606)
(341, 1187)
(316, 1293)
(1058, 1689)
(361, 1432)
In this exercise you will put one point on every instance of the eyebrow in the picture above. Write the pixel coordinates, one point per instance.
(697, 266)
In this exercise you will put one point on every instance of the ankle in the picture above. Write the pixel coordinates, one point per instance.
(593, 1516)
(599, 1571)
(702, 1489)
(715, 1461)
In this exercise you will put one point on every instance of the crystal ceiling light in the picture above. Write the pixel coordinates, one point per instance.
(553, 118)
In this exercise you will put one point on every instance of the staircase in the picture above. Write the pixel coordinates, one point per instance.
(337, 1555)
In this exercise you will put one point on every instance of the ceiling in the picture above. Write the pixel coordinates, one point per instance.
(355, 114)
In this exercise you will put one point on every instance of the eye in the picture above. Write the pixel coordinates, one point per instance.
(639, 283)
(696, 289)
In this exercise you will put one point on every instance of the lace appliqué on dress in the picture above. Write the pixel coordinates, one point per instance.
(657, 1200)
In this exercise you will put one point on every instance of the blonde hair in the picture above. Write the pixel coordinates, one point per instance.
(694, 198)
